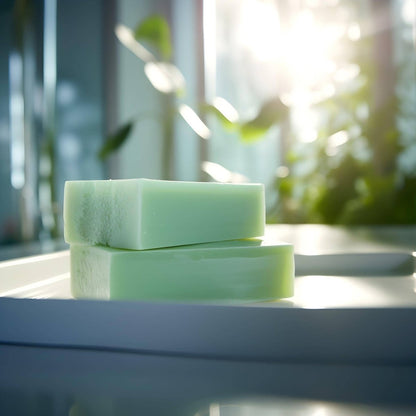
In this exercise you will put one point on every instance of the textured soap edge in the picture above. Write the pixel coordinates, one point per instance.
(90, 276)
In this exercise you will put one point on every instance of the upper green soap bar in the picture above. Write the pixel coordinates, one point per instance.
(142, 214)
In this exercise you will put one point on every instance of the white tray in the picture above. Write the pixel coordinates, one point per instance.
(375, 279)
(331, 318)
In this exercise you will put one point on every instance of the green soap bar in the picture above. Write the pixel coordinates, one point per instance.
(142, 213)
(240, 270)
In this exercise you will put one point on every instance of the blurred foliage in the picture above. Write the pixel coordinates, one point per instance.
(114, 141)
(354, 181)
(228, 124)
(357, 181)
(269, 114)
(155, 31)
(347, 188)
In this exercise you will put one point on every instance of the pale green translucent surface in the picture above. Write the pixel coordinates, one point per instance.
(244, 270)
(141, 213)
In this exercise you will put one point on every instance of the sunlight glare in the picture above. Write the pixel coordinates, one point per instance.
(306, 120)
(221, 174)
(308, 45)
(259, 29)
(316, 292)
(354, 32)
(194, 121)
(308, 135)
(335, 141)
(347, 73)
(409, 12)
(126, 37)
(304, 97)
(226, 109)
(165, 77)
(305, 54)
(282, 171)
(303, 50)
(338, 138)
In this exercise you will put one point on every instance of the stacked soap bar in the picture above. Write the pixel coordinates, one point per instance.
(239, 270)
(140, 214)
(200, 236)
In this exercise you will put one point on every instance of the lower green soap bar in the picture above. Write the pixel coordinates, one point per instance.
(240, 270)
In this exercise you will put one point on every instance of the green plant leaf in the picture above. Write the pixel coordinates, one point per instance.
(155, 31)
(271, 112)
(226, 123)
(114, 141)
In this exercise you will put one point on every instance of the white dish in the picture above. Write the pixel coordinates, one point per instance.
(375, 280)
(331, 318)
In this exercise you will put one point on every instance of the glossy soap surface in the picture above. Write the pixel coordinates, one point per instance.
(243, 270)
(143, 214)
